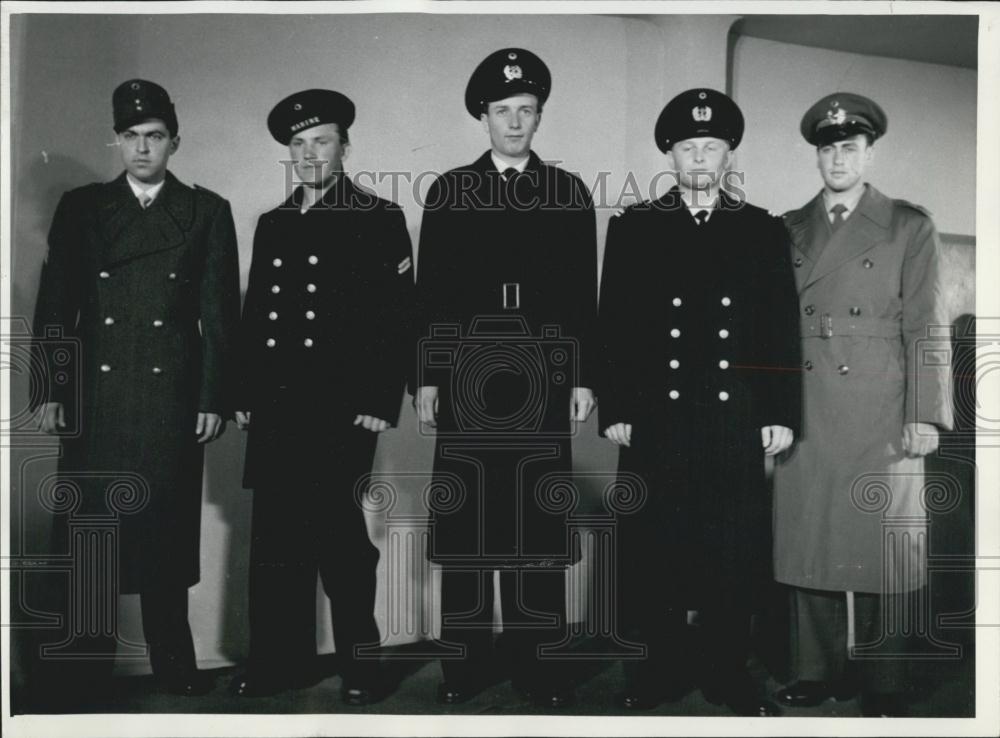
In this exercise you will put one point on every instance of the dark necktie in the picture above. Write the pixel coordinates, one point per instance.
(700, 217)
(838, 211)
(509, 173)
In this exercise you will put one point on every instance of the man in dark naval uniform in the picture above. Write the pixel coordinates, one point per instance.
(507, 283)
(324, 346)
(143, 273)
(699, 383)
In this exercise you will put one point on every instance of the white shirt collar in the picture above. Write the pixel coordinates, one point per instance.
(709, 208)
(138, 189)
(503, 166)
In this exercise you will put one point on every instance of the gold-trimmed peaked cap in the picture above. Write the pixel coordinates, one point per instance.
(306, 109)
(505, 73)
(843, 115)
(699, 112)
(137, 100)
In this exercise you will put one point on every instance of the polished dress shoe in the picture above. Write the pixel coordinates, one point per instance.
(449, 694)
(806, 693)
(637, 701)
(743, 699)
(554, 698)
(360, 695)
(192, 684)
(883, 705)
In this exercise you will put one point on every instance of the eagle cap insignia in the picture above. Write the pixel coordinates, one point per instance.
(702, 113)
(512, 72)
(837, 117)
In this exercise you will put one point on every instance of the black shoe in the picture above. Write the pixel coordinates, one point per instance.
(193, 684)
(744, 699)
(360, 695)
(449, 694)
(637, 701)
(554, 698)
(805, 693)
(883, 705)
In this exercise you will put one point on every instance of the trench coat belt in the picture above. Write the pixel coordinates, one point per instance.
(827, 326)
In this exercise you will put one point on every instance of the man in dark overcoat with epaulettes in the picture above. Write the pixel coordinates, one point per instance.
(507, 285)
(699, 383)
(324, 348)
(142, 274)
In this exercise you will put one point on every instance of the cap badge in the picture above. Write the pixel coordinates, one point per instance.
(702, 113)
(702, 95)
(135, 85)
(512, 72)
(297, 106)
(836, 117)
(512, 55)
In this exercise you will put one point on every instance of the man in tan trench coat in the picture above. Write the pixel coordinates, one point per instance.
(876, 390)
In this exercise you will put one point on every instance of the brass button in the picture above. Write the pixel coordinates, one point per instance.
(843, 369)
(868, 263)
(675, 333)
(109, 321)
(313, 259)
(271, 343)
(272, 315)
(310, 287)
(275, 288)
(674, 394)
(724, 396)
(308, 343)
(808, 365)
(798, 261)
(678, 302)
(277, 262)
(855, 311)
(172, 275)
(726, 302)
(809, 309)
(103, 275)
(674, 364)
(157, 370)
(723, 364)
(105, 368)
(310, 315)
(723, 333)
(157, 323)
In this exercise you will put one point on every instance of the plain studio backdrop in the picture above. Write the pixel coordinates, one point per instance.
(407, 75)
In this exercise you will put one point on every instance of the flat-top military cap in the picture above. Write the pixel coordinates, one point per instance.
(699, 112)
(137, 100)
(306, 109)
(505, 73)
(842, 115)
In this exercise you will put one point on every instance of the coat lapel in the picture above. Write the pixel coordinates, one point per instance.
(128, 232)
(866, 228)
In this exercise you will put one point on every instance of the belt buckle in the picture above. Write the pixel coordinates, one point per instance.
(511, 295)
(825, 326)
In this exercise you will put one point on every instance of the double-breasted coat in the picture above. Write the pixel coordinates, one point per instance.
(698, 333)
(326, 329)
(507, 284)
(150, 297)
(849, 507)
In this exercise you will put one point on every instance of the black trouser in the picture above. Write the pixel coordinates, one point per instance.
(533, 606)
(301, 528)
(820, 648)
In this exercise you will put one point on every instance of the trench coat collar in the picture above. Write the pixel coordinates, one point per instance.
(867, 227)
(129, 232)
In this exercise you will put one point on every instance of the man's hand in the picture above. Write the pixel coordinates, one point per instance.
(775, 439)
(52, 416)
(619, 434)
(425, 402)
(242, 419)
(919, 439)
(581, 405)
(370, 422)
(210, 426)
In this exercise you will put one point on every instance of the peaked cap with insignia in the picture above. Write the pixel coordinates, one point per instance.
(505, 73)
(138, 100)
(699, 112)
(843, 115)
